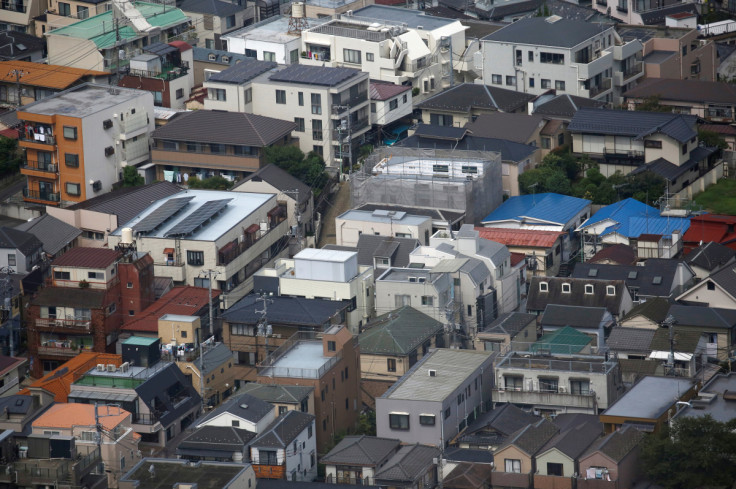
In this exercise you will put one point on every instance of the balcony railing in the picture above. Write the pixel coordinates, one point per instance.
(633, 70)
(317, 56)
(719, 113)
(602, 87)
(19, 7)
(168, 72)
(147, 419)
(336, 479)
(357, 99)
(269, 471)
(63, 323)
(584, 401)
(37, 138)
(626, 153)
(355, 126)
(61, 350)
(40, 166)
(37, 195)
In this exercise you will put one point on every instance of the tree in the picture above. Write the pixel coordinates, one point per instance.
(712, 139)
(694, 452)
(366, 424)
(309, 168)
(211, 183)
(651, 104)
(131, 177)
(10, 158)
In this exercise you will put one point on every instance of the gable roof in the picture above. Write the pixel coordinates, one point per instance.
(699, 91)
(384, 91)
(617, 444)
(214, 441)
(280, 179)
(564, 341)
(275, 393)
(398, 332)
(212, 126)
(724, 278)
(242, 72)
(547, 207)
(619, 253)
(574, 439)
(56, 77)
(15, 239)
(243, 406)
(684, 341)
(361, 450)
(11, 41)
(710, 256)
(541, 31)
(703, 317)
(520, 237)
(630, 339)
(637, 124)
(467, 475)
(53, 233)
(655, 278)
(409, 463)
(285, 310)
(467, 96)
(504, 418)
(510, 323)
(87, 258)
(620, 212)
(503, 125)
(565, 105)
(283, 430)
(538, 300)
(654, 309)
(532, 438)
(575, 316)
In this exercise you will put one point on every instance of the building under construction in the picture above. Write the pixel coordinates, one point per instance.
(460, 181)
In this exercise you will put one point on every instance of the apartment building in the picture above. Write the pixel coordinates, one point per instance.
(354, 223)
(78, 141)
(395, 45)
(216, 18)
(537, 54)
(232, 233)
(272, 39)
(643, 12)
(18, 15)
(286, 449)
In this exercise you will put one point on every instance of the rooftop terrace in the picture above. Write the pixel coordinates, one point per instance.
(571, 363)
(301, 356)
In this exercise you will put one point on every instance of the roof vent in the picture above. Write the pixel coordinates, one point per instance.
(432, 372)
(244, 406)
(553, 18)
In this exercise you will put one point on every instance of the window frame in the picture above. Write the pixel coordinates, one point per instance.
(399, 421)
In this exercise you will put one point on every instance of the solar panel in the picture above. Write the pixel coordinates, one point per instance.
(314, 75)
(198, 218)
(162, 214)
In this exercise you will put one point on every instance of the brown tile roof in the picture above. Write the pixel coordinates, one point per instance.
(185, 300)
(47, 76)
(684, 90)
(520, 237)
(87, 258)
(385, 91)
(620, 254)
(719, 128)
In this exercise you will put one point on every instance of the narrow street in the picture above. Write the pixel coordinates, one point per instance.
(339, 204)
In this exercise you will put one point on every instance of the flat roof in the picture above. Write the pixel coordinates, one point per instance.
(140, 341)
(710, 399)
(650, 397)
(403, 274)
(240, 206)
(167, 473)
(324, 255)
(368, 216)
(304, 355)
(453, 368)
(274, 29)
(82, 100)
(412, 18)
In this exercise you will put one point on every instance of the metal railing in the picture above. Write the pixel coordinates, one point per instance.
(64, 323)
(269, 366)
(168, 71)
(602, 87)
(37, 195)
(356, 481)
(357, 99)
(355, 126)
(719, 113)
(40, 166)
(633, 70)
(37, 138)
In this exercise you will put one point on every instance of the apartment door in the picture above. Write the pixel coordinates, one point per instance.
(45, 189)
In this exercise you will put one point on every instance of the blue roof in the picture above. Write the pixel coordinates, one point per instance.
(635, 218)
(554, 208)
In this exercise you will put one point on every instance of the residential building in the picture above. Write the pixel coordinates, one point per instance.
(394, 45)
(86, 303)
(323, 8)
(571, 56)
(437, 399)
(492, 428)
(708, 258)
(391, 344)
(243, 412)
(166, 70)
(644, 13)
(618, 254)
(541, 249)
(613, 458)
(212, 376)
(463, 103)
(671, 51)
(511, 126)
(20, 251)
(717, 290)
(218, 474)
(518, 454)
(515, 157)
(562, 107)
(391, 109)
(381, 252)
(356, 458)
(709, 227)
(205, 143)
(12, 372)
(282, 397)
(110, 126)
(271, 39)
(22, 410)
(325, 274)
(160, 398)
(649, 404)
(286, 449)
(316, 360)
(246, 334)
(208, 61)
(233, 233)
(351, 225)
(17, 24)
(84, 423)
(511, 331)
(468, 474)
(412, 466)
(441, 218)
(215, 443)
(55, 235)
(595, 322)
(230, 89)
(714, 399)
(585, 292)
(100, 50)
(216, 18)
(60, 14)
(566, 340)
(38, 81)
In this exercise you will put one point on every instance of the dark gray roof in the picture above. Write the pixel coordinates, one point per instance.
(726, 278)
(217, 8)
(618, 444)
(565, 105)
(512, 127)
(280, 179)
(296, 311)
(447, 12)
(16, 404)
(398, 332)
(243, 406)
(634, 123)
(657, 16)
(699, 91)
(244, 71)
(10, 42)
(215, 357)
(52, 232)
(69, 296)
(577, 432)
(274, 393)
(314, 75)
(283, 430)
(498, 12)
(539, 31)
(370, 246)
(510, 323)
(15, 239)
(451, 217)
(215, 439)
(216, 126)
(685, 341)
(703, 317)
(667, 170)
(476, 456)
(361, 450)
(410, 463)
(504, 419)
(156, 393)
(532, 437)
(9, 118)
(574, 316)
(654, 309)
(573, 11)
(203, 54)
(654, 279)
(287, 484)
(467, 96)
(538, 301)
(725, 50)
(658, 57)
(630, 339)
(127, 203)
(710, 256)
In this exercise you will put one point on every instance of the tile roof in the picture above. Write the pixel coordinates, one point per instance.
(57, 77)
(547, 207)
(467, 475)
(15, 239)
(520, 237)
(630, 339)
(215, 440)
(656, 278)
(638, 124)
(565, 105)
(280, 179)
(541, 31)
(538, 301)
(502, 125)
(10, 41)
(719, 128)
(471, 455)
(71, 415)
(182, 299)
(699, 91)
(55, 234)
(385, 91)
(361, 450)
(510, 323)
(285, 310)
(217, 8)
(408, 464)
(7, 363)
(565, 341)
(283, 430)
(398, 332)
(532, 438)
(654, 309)
(619, 253)
(670, 171)
(274, 393)
(710, 256)
(17, 404)
(685, 341)
(467, 96)
(215, 357)
(242, 406)
(617, 444)
(455, 138)
(575, 316)
(87, 258)
(703, 317)
(573, 440)
(211, 126)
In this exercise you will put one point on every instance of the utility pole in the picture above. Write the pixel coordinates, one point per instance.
(18, 74)
(209, 273)
(263, 329)
(669, 322)
(98, 426)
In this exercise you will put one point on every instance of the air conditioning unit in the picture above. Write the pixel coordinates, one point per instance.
(109, 151)
(562, 389)
(100, 367)
(111, 367)
(107, 124)
(97, 186)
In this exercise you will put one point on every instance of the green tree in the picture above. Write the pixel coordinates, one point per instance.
(712, 139)
(367, 424)
(309, 168)
(694, 452)
(651, 104)
(211, 183)
(131, 177)
(10, 158)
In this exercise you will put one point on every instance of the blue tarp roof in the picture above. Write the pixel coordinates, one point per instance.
(548, 207)
(635, 218)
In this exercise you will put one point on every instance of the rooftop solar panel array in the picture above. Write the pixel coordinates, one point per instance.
(162, 214)
(198, 218)
(314, 75)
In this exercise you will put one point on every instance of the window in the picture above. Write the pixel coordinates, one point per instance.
(301, 99)
(299, 124)
(448, 412)
(195, 258)
(543, 287)
(398, 421)
(565, 288)
(70, 132)
(518, 57)
(248, 94)
(217, 94)
(554, 58)
(711, 285)
(351, 56)
(61, 275)
(373, 107)
(530, 55)
(82, 12)
(404, 98)
(317, 129)
(470, 310)
(331, 346)
(294, 57)
(531, 82)
(393, 104)
(316, 103)
(546, 83)
(11, 259)
(427, 300)
(684, 149)
(73, 189)
(513, 383)
(71, 161)
(657, 280)
(391, 364)
(112, 308)
(441, 119)
(179, 93)
(269, 56)
(610, 290)
(554, 469)
(217, 149)
(580, 387)
(561, 139)
(512, 465)
(235, 423)
(589, 289)
(496, 79)
(65, 9)
(546, 143)
(96, 275)
(510, 80)
(280, 96)
(317, 149)
(230, 21)
(559, 85)
(548, 384)
(184, 335)
(492, 345)
(440, 168)
(426, 419)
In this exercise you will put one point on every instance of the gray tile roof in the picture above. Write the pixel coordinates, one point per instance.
(710, 256)
(703, 317)
(279, 178)
(538, 301)
(475, 456)
(274, 393)
(215, 357)
(15, 239)
(638, 124)
(215, 439)
(644, 278)
(684, 341)
(539, 31)
(617, 444)
(283, 430)
(243, 406)
(533, 437)
(285, 310)
(467, 96)
(510, 323)
(242, 72)
(630, 339)
(726, 278)
(214, 126)
(410, 463)
(574, 438)
(361, 450)
(10, 40)
(398, 332)
(217, 8)
(653, 309)
(565, 105)
(504, 419)
(667, 170)
(52, 232)
(575, 316)
(501, 125)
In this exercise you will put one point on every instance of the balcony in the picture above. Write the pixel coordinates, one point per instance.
(602, 87)
(269, 471)
(49, 472)
(355, 126)
(39, 196)
(631, 72)
(510, 479)
(347, 100)
(20, 7)
(168, 71)
(133, 123)
(540, 398)
(51, 348)
(630, 156)
(300, 357)
(594, 67)
(721, 114)
(40, 166)
(34, 138)
(336, 479)
(64, 324)
(177, 271)
(596, 484)
(134, 150)
(552, 482)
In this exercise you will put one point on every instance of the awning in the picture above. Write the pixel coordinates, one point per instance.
(252, 228)
(168, 251)
(663, 355)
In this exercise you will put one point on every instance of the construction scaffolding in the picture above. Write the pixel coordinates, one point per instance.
(460, 181)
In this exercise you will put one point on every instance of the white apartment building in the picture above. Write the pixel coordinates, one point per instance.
(268, 40)
(392, 44)
(398, 224)
(537, 54)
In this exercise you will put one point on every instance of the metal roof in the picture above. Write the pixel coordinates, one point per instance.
(87, 258)
(466, 96)
(361, 450)
(285, 310)
(650, 397)
(564, 341)
(412, 18)
(541, 31)
(632, 218)
(548, 207)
